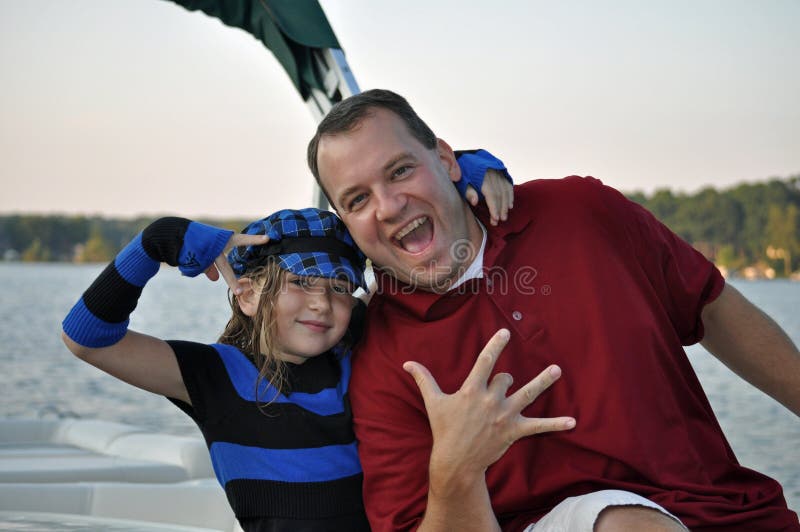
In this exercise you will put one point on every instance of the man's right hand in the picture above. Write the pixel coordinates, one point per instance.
(472, 428)
(475, 426)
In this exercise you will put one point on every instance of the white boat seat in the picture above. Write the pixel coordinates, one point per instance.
(197, 503)
(78, 450)
(51, 522)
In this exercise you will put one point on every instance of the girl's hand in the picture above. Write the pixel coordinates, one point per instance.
(499, 194)
(221, 265)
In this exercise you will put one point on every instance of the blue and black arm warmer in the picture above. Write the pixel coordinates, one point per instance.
(100, 318)
(474, 164)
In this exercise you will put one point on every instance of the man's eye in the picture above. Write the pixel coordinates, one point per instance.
(356, 201)
(401, 171)
(302, 283)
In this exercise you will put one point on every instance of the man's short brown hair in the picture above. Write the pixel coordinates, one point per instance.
(346, 115)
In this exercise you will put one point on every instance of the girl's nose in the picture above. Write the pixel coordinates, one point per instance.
(319, 298)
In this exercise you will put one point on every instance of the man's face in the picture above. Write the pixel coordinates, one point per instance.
(397, 200)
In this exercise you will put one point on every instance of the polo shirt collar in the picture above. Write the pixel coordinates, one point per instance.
(475, 268)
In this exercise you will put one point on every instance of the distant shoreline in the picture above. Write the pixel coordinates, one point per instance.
(749, 273)
(750, 231)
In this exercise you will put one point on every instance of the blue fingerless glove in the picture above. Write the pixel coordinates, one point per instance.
(101, 317)
(474, 164)
(201, 245)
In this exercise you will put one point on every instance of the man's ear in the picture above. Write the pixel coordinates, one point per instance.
(448, 159)
(248, 297)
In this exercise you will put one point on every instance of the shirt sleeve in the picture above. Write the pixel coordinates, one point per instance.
(201, 368)
(682, 278)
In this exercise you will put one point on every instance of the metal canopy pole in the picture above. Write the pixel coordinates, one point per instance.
(339, 83)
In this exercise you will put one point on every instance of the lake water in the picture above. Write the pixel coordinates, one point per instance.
(40, 378)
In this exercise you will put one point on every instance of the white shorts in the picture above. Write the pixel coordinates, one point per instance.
(578, 514)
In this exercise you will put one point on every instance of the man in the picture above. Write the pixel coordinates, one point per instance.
(581, 277)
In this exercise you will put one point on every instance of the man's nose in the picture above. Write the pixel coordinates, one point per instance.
(390, 204)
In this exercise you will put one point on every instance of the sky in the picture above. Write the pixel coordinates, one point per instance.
(139, 107)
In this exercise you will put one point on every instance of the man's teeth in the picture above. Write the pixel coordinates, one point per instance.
(410, 227)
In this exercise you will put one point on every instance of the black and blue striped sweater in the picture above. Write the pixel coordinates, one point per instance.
(291, 465)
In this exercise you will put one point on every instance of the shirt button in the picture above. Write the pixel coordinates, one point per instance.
(489, 282)
(517, 315)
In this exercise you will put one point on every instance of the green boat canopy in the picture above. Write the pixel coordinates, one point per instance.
(291, 29)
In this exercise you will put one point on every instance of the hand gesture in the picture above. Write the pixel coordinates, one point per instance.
(221, 265)
(497, 191)
(475, 426)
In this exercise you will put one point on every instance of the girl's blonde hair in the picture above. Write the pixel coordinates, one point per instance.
(256, 336)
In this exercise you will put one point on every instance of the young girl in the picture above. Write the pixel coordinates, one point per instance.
(270, 397)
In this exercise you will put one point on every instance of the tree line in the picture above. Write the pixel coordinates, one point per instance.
(746, 225)
(60, 238)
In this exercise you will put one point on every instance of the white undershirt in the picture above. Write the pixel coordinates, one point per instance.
(475, 269)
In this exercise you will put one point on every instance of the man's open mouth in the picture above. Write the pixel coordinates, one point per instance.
(416, 235)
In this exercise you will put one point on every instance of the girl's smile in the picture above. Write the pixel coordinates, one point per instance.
(311, 315)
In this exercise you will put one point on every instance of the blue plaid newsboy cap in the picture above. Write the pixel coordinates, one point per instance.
(307, 242)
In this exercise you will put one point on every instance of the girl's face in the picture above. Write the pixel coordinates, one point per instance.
(311, 315)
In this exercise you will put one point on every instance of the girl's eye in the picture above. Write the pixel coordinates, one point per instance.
(339, 289)
(302, 283)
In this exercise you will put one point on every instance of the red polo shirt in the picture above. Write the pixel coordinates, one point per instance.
(588, 280)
